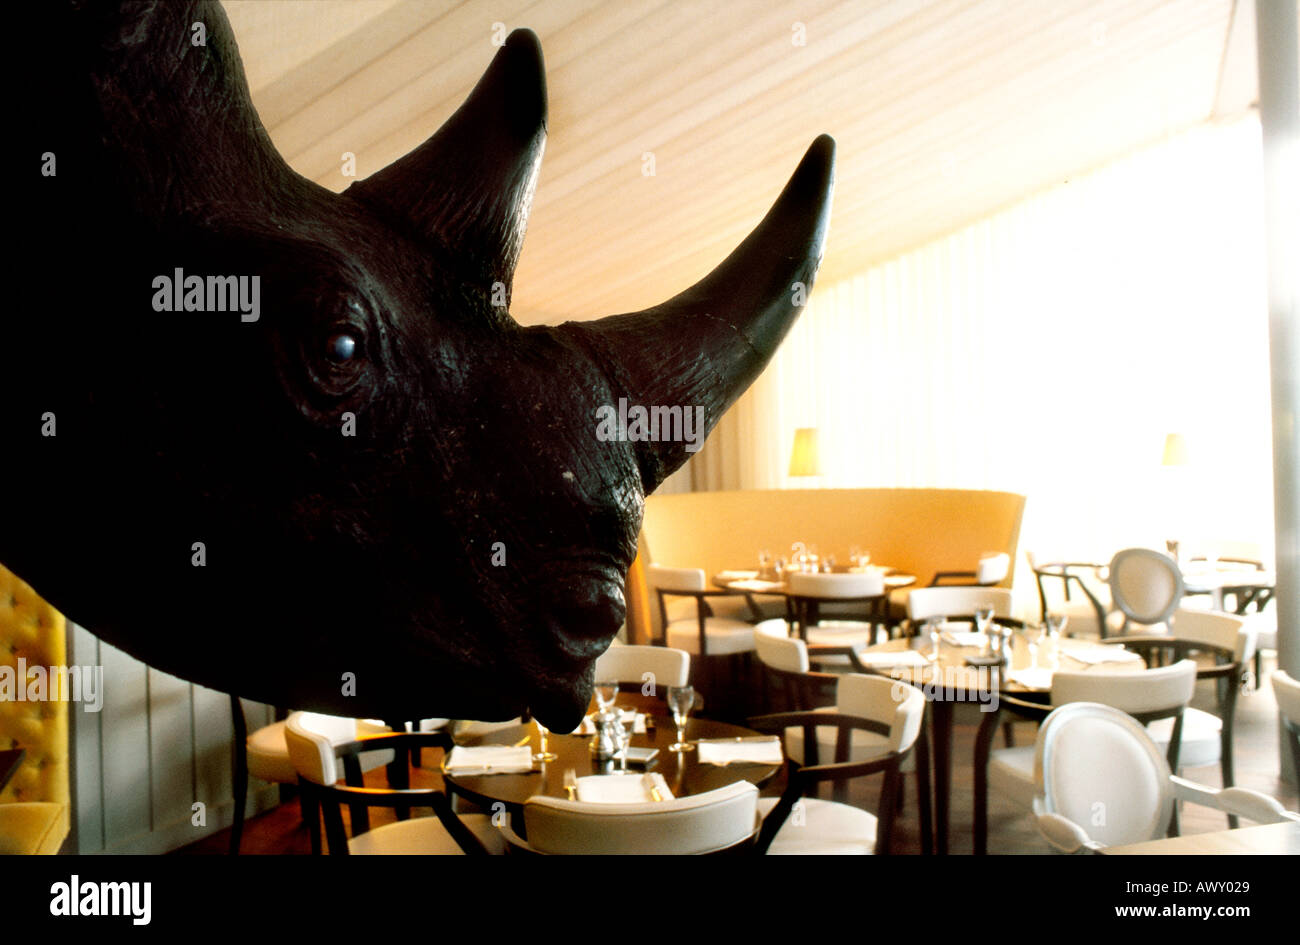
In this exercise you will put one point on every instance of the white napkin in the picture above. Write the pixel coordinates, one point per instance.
(623, 788)
(755, 585)
(894, 658)
(1102, 654)
(737, 575)
(1032, 677)
(899, 580)
(490, 759)
(725, 751)
(960, 637)
(629, 716)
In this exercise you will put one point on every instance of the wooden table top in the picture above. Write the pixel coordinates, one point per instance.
(1271, 839)
(683, 772)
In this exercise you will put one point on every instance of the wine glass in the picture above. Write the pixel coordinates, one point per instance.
(764, 563)
(681, 699)
(932, 627)
(983, 620)
(1034, 636)
(542, 754)
(606, 693)
(1055, 628)
(623, 741)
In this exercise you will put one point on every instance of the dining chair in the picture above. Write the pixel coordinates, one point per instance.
(724, 820)
(1287, 692)
(809, 592)
(1146, 587)
(1077, 590)
(1095, 765)
(722, 644)
(992, 568)
(1008, 773)
(956, 602)
(640, 666)
(797, 822)
(264, 754)
(1227, 639)
(320, 760)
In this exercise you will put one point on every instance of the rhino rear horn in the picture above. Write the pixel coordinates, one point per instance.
(469, 188)
(705, 346)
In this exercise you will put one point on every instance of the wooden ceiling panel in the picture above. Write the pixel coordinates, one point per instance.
(943, 112)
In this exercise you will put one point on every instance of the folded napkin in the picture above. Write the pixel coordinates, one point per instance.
(960, 637)
(623, 788)
(725, 751)
(1102, 654)
(737, 575)
(756, 585)
(1031, 677)
(630, 717)
(899, 580)
(893, 658)
(490, 759)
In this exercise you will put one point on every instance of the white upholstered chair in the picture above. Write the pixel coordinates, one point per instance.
(1100, 781)
(321, 753)
(1008, 773)
(1287, 692)
(991, 568)
(1146, 588)
(927, 602)
(712, 822)
(664, 665)
(810, 593)
(702, 634)
(1077, 590)
(797, 823)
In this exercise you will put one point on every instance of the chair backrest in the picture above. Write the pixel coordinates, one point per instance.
(1147, 692)
(1096, 766)
(663, 578)
(880, 699)
(992, 567)
(778, 650)
(311, 737)
(926, 602)
(629, 664)
(1225, 631)
(701, 823)
(843, 585)
(1145, 585)
(1287, 692)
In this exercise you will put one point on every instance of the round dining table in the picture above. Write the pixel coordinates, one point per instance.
(804, 610)
(683, 772)
(952, 680)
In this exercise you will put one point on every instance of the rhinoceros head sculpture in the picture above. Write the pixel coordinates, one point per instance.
(344, 479)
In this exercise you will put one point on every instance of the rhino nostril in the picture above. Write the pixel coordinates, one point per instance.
(591, 612)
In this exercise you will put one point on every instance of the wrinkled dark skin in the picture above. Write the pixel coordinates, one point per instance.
(326, 554)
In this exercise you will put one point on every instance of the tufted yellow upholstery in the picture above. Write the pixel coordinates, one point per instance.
(35, 807)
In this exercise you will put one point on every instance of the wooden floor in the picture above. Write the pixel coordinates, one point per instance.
(281, 831)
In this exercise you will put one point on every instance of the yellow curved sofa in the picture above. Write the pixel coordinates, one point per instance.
(35, 807)
(919, 531)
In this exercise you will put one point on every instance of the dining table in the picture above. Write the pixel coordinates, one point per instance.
(955, 677)
(683, 773)
(1248, 586)
(803, 610)
(1267, 839)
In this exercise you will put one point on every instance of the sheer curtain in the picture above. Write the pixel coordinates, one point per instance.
(1048, 350)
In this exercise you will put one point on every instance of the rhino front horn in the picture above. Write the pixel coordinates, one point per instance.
(466, 192)
(704, 347)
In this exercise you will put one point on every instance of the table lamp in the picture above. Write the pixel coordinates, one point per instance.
(804, 458)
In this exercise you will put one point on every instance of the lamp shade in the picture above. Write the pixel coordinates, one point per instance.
(804, 459)
(1175, 450)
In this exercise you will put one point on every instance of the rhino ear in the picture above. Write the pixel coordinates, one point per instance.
(469, 188)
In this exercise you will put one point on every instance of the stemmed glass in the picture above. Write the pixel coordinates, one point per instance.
(623, 738)
(764, 563)
(606, 693)
(681, 699)
(932, 627)
(1034, 636)
(542, 754)
(1055, 628)
(984, 620)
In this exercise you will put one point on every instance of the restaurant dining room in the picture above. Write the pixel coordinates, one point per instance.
(541, 427)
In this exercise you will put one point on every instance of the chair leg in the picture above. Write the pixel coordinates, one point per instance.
(1008, 735)
(923, 784)
(311, 817)
(239, 773)
(1225, 765)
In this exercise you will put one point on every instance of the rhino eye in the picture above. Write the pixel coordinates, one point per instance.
(341, 347)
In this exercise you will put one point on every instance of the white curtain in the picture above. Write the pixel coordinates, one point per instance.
(1048, 349)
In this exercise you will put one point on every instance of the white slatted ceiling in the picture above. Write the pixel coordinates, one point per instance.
(944, 111)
